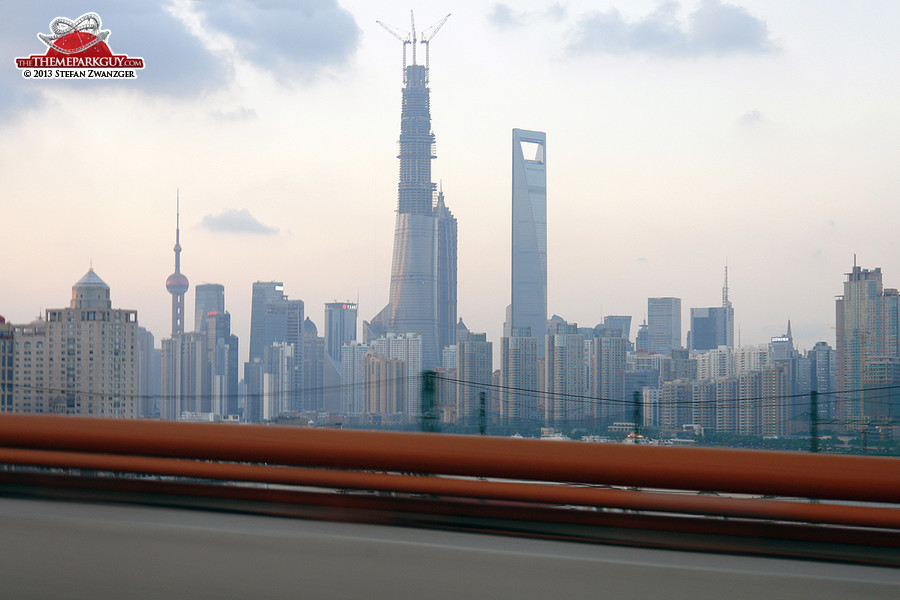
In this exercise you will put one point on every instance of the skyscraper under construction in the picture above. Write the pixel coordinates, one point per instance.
(423, 269)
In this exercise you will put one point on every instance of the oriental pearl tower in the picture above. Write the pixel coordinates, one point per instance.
(177, 284)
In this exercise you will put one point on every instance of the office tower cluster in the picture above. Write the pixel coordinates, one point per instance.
(198, 369)
(292, 371)
(380, 380)
(274, 373)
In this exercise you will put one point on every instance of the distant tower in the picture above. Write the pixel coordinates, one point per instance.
(866, 335)
(474, 366)
(519, 375)
(276, 320)
(528, 302)
(340, 327)
(664, 323)
(423, 268)
(261, 335)
(729, 313)
(714, 326)
(177, 284)
(565, 377)
(208, 298)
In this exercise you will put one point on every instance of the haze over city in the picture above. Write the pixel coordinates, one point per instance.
(680, 136)
(506, 299)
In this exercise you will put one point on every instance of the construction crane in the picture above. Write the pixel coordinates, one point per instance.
(412, 39)
(407, 40)
(426, 38)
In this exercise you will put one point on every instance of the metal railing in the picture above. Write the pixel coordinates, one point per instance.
(823, 506)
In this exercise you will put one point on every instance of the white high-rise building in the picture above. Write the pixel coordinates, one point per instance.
(474, 372)
(80, 360)
(715, 363)
(353, 378)
(278, 379)
(752, 358)
(519, 394)
(567, 401)
(408, 348)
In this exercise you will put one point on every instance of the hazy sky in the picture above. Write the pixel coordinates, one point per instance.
(679, 135)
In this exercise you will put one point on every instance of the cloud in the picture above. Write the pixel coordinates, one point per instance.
(236, 221)
(241, 113)
(721, 28)
(300, 37)
(292, 36)
(503, 16)
(751, 118)
(176, 63)
(714, 28)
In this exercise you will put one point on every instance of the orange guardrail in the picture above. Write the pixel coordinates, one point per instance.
(470, 476)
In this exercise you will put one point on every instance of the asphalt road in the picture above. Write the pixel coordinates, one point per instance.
(55, 549)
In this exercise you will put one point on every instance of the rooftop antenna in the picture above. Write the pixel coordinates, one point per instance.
(725, 287)
(177, 215)
(412, 27)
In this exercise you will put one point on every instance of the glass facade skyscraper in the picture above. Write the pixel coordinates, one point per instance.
(340, 327)
(664, 324)
(208, 298)
(274, 320)
(528, 302)
(423, 269)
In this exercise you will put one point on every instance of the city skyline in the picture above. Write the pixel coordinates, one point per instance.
(774, 157)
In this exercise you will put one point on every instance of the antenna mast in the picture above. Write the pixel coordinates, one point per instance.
(177, 215)
(725, 287)
(412, 26)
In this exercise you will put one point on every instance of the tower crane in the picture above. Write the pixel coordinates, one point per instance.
(411, 38)
(426, 37)
(407, 40)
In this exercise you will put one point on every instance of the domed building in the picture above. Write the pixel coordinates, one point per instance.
(80, 360)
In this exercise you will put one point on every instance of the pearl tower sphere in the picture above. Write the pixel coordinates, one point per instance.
(177, 283)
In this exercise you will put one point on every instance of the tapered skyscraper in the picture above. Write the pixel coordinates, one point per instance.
(423, 269)
(528, 304)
